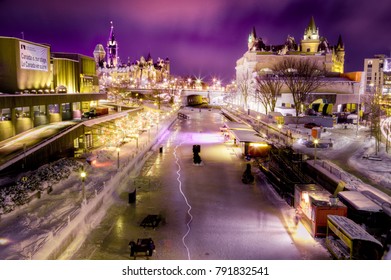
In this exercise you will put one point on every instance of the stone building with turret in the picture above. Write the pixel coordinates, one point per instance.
(140, 73)
(260, 58)
(263, 57)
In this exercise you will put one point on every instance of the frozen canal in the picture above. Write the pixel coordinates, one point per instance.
(208, 213)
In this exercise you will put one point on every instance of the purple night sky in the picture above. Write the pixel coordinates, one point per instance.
(203, 38)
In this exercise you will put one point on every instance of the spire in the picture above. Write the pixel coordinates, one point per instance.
(340, 45)
(312, 26)
(252, 39)
(111, 36)
(311, 32)
(254, 33)
(112, 48)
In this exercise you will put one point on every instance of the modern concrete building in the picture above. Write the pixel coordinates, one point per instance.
(39, 87)
(378, 74)
(24, 66)
(74, 71)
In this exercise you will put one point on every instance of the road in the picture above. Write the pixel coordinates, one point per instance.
(208, 213)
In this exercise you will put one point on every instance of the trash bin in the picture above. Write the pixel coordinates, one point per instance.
(132, 197)
(161, 150)
(196, 149)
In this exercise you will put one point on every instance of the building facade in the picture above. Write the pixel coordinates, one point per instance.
(260, 59)
(141, 73)
(24, 66)
(28, 67)
(378, 74)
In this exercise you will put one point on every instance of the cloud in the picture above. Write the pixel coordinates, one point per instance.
(196, 31)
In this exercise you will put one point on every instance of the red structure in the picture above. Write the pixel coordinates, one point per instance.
(314, 204)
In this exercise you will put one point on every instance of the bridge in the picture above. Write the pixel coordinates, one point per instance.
(215, 97)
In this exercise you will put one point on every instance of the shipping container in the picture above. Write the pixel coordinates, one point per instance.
(314, 203)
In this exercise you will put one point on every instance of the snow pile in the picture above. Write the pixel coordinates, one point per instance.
(33, 183)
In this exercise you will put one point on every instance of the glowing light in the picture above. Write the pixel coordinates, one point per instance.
(187, 203)
(259, 144)
(4, 241)
(305, 196)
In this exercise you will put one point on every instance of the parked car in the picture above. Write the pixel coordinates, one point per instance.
(144, 245)
(310, 125)
(61, 89)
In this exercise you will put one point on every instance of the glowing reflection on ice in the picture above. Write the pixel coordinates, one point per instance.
(184, 196)
(4, 241)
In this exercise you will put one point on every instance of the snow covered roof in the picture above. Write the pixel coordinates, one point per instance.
(350, 228)
(106, 118)
(244, 133)
(359, 201)
(250, 136)
(238, 126)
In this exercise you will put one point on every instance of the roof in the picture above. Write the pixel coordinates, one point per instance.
(238, 126)
(106, 118)
(248, 136)
(244, 132)
(350, 228)
(312, 26)
(359, 201)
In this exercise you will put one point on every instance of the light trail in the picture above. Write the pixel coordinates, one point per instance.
(187, 202)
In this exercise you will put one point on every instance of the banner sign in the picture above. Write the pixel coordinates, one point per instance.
(33, 57)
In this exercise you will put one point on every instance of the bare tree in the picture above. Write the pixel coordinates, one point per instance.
(373, 108)
(267, 89)
(302, 76)
(244, 85)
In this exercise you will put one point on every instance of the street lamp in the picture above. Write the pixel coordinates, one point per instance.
(358, 111)
(316, 141)
(83, 175)
(118, 149)
(136, 136)
(279, 132)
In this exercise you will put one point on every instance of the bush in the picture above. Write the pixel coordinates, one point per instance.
(45, 176)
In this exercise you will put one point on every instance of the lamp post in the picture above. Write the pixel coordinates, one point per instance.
(316, 141)
(279, 132)
(83, 175)
(358, 111)
(136, 136)
(118, 149)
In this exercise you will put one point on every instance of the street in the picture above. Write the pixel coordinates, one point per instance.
(208, 213)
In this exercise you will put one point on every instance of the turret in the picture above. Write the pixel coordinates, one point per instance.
(310, 42)
(99, 55)
(112, 49)
(252, 38)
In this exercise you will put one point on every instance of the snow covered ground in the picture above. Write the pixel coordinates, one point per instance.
(57, 200)
(24, 231)
(353, 158)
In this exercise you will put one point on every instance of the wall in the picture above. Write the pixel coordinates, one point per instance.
(12, 77)
(5, 130)
(23, 124)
